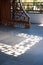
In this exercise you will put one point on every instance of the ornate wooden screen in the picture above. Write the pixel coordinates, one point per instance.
(20, 16)
(11, 14)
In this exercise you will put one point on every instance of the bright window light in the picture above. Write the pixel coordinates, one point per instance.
(40, 25)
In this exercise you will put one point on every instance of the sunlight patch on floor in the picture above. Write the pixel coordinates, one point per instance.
(22, 47)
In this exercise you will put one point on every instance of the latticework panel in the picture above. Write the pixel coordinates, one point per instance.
(12, 14)
(19, 17)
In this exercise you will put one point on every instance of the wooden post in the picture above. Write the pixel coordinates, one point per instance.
(5, 7)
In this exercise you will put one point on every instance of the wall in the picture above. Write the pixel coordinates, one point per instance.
(36, 18)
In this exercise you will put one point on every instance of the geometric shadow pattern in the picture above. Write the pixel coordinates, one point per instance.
(22, 47)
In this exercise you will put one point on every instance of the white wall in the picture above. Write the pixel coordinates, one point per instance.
(36, 18)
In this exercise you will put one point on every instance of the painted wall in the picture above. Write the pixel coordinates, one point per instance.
(31, 0)
(27, 0)
(36, 18)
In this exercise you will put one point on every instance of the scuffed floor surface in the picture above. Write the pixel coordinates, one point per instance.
(19, 46)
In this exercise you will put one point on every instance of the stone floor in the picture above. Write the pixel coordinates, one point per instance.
(20, 46)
